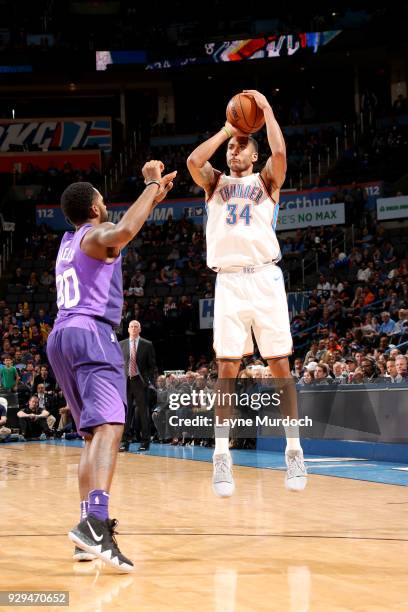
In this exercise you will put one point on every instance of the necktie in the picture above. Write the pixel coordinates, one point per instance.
(132, 361)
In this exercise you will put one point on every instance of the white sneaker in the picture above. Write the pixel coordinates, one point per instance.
(223, 481)
(43, 436)
(296, 475)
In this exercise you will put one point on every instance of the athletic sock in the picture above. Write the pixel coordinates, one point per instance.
(292, 438)
(84, 509)
(293, 444)
(221, 439)
(99, 504)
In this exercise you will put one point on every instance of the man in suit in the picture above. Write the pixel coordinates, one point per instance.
(139, 370)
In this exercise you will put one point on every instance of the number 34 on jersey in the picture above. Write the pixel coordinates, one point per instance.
(238, 214)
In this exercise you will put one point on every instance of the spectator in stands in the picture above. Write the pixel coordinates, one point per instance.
(368, 295)
(311, 354)
(297, 371)
(388, 325)
(27, 375)
(287, 247)
(19, 278)
(394, 352)
(4, 431)
(370, 372)
(135, 288)
(138, 277)
(384, 342)
(382, 370)
(170, 307)
(175, 280)
(365, 272)
(322, 374)
(32, 282)
(308, 374)
(401, 367)
(6, 345)
(65, 424)
(162, 403)
(322, 350)
(15, 337)
(401, 327)
(358, 377)
(370, 328)
(388, 253)
(323, 286)
(339, 375)
(44, 399)
(9, 375)
(42, 318)
(324, 325)
(308, 377)
(36, 335)
(46, 402)
(33, 420)
(164, 276)
(209, 290)
(44, 378)
(47, 279)
(18, 361)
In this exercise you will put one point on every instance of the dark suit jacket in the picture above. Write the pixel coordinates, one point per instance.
(145, 358)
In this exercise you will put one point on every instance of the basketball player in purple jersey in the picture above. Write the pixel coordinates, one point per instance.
(84, 352)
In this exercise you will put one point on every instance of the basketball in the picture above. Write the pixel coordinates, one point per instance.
(244, 114)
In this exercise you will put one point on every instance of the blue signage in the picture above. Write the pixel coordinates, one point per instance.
(194, 208)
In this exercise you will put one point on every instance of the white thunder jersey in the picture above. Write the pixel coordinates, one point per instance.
(241, 223)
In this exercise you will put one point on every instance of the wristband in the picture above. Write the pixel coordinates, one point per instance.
(153, 182)
(226, 130)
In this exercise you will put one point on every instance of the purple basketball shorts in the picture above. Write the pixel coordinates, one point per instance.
(88, 364)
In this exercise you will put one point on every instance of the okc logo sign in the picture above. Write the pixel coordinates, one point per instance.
(56, 133)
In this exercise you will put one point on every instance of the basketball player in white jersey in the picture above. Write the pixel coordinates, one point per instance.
(242, 247)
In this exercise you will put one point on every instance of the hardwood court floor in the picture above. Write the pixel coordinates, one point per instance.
(340, 545)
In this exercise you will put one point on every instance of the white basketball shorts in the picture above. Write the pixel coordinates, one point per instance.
(251, 298)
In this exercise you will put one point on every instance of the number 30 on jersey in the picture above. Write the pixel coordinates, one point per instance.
(67, 289)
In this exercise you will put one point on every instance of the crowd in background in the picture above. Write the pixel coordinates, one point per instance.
(325, 156)
(354, 328)
(54, 180)
(318, 156)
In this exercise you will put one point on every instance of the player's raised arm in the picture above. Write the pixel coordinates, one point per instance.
(198, 163)
(117, 236)
(274, 171)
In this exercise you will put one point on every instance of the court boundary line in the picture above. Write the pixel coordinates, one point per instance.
(228, 535)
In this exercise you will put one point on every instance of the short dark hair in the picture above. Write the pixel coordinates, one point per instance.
(76, 202)
(254, 143)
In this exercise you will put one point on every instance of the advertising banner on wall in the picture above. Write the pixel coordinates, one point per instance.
(63, 134)
(313, 215)
(296, 209)
(206, 310)
(176, 209)
(392, 208)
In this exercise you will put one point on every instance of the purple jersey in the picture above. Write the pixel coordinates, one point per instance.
(86, 285)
